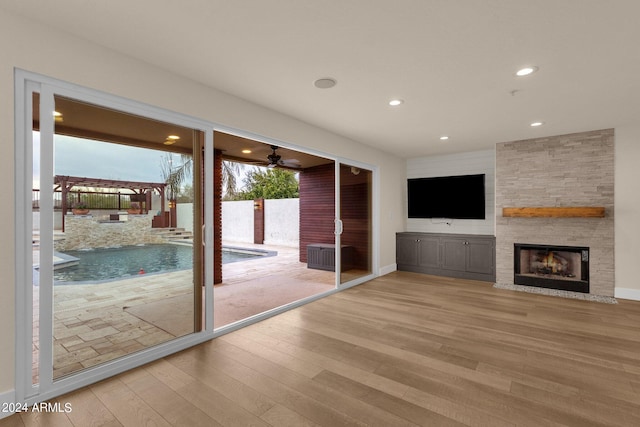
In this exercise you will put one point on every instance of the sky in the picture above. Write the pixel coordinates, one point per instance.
(94, 159)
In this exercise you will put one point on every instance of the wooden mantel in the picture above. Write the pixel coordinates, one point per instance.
(554, 212)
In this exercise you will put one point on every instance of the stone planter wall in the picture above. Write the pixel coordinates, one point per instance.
(85, 232)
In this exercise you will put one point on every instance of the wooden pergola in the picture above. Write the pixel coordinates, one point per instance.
(65, 183)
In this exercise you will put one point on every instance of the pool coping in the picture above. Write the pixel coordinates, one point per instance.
(251, 251)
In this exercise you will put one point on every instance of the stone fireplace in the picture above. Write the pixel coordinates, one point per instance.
(575, 170)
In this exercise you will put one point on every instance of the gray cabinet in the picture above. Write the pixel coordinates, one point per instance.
(406, 249)
(454, 255)
(416, 249)
(481, 256)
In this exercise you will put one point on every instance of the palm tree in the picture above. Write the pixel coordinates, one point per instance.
(175, 176)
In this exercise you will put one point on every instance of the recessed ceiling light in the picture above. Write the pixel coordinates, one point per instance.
(395, 102)
(325, 83)
(246, 151)
(171, 139)
(526, 71)
(536, 124)
(444, 138)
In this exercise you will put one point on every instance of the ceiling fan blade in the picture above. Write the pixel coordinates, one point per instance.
(290, 163)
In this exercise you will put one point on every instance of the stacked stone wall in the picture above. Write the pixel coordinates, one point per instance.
(559, 171)
(86, 232)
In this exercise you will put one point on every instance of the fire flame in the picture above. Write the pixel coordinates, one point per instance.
(549, 262)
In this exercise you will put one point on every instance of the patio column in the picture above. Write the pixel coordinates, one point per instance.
(64, 191)
(258, 221)
(217, 217)
(162, 216)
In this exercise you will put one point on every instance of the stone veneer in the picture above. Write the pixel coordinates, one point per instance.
(85, 232)
(559, 171)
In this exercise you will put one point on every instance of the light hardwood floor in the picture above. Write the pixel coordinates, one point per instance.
(404, 349)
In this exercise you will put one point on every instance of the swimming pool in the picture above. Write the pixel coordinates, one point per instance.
(114, 263)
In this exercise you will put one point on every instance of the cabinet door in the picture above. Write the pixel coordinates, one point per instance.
(428, 252)
(480, 256)
(454, 254)
(407, 250)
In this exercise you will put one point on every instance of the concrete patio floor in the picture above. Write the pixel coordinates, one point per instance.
(95, 323)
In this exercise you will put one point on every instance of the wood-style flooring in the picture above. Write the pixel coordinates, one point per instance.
(404, 349)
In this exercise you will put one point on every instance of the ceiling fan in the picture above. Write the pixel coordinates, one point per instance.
(276, 160)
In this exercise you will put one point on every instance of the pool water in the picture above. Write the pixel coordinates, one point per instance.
(114, 263)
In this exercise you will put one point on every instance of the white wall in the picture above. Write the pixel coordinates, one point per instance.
(237, 221)
(282, 222)
(35, 47)
(184, 216)
(470, 163)
(627, 211)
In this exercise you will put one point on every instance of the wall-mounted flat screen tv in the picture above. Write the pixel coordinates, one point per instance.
(459, 197)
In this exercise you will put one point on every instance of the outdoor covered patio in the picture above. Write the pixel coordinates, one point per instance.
(137, 192)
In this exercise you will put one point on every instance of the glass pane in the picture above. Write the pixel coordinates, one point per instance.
(35, 238)
(273, 227)
(124, 241)
(355, 213)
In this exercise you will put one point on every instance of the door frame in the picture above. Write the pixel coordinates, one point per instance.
(375, 247)
(25, 82)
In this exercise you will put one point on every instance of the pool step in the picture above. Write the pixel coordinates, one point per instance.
(174, 234)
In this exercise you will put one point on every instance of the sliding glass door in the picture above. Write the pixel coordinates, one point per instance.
(115, 248)
(116, 229)
(122, 281)
(355, 223)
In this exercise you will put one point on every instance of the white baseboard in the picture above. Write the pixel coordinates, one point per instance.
(387, 269)
(6, 398)
(627, 293)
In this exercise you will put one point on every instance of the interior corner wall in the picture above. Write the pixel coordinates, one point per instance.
(627, 211)
(35, 47)
(469, 163)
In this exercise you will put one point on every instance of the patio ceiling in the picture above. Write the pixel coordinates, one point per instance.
(84, 120)
(232, 147)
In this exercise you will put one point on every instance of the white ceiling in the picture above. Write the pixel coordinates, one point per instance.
(452, 61)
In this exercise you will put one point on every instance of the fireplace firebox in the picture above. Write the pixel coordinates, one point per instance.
(555, 267)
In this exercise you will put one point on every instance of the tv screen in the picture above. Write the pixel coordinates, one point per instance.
(459, 197)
